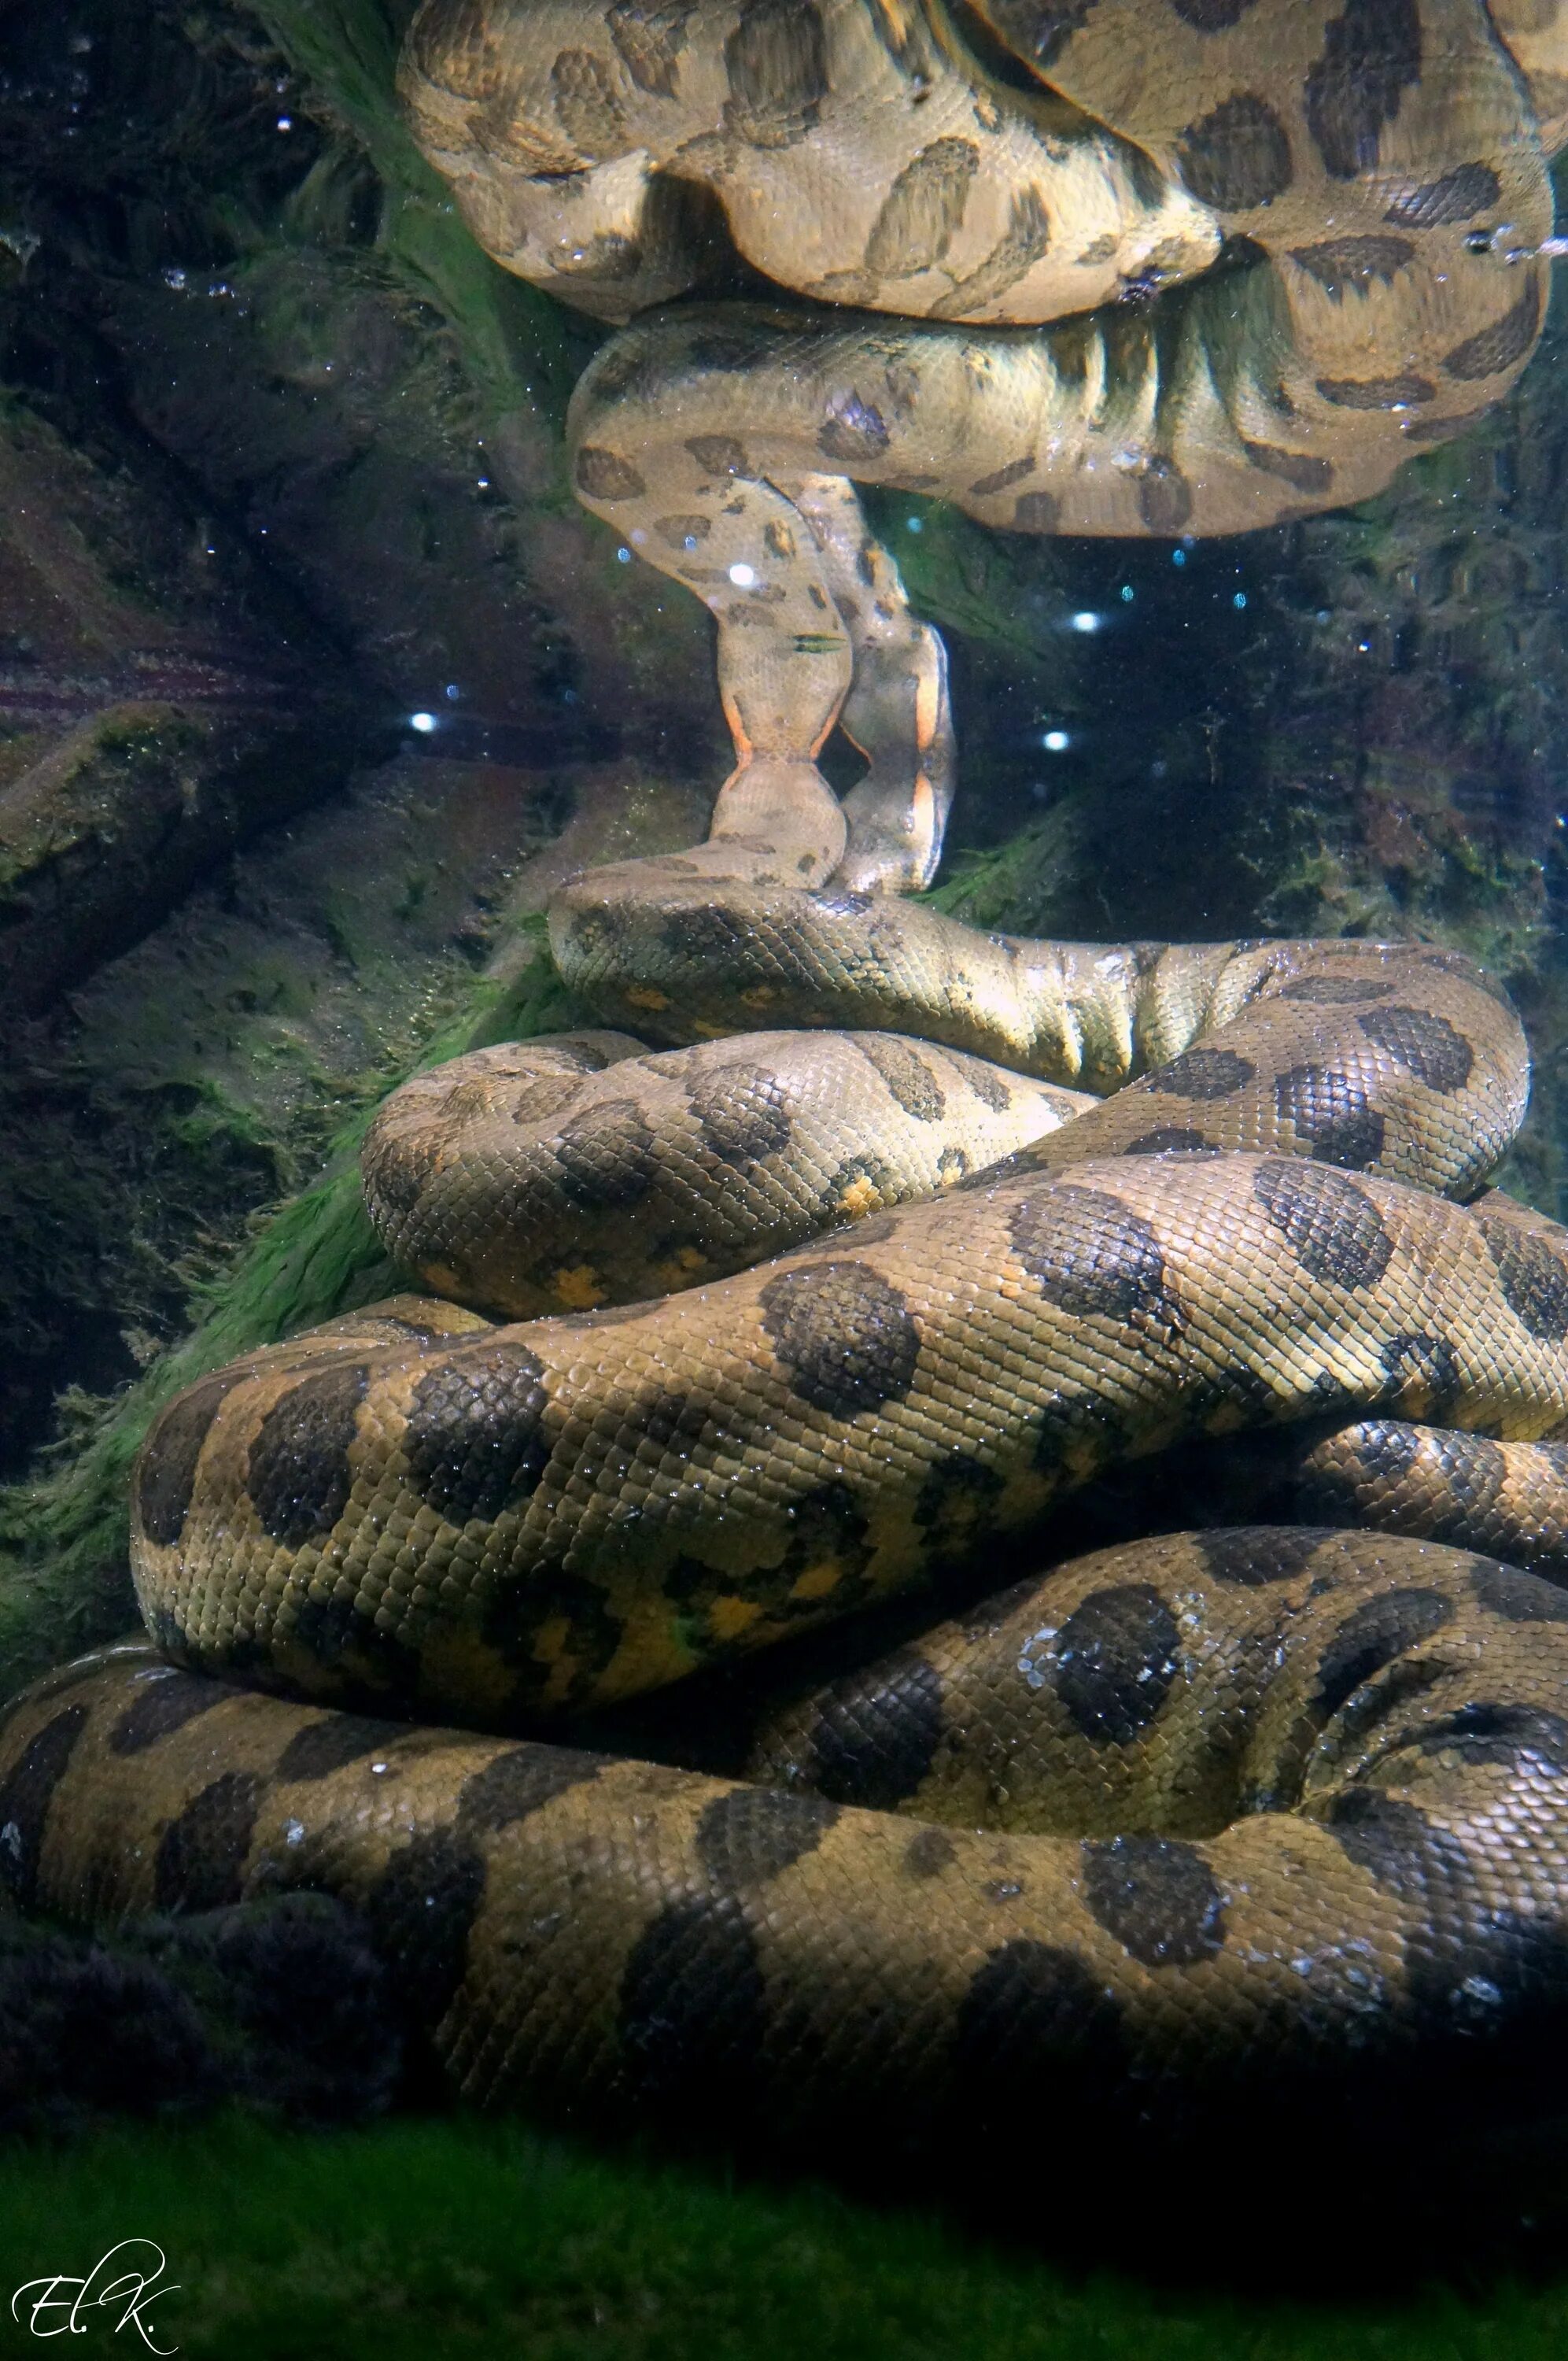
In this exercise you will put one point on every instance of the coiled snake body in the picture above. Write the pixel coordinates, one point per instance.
(1215, 1814)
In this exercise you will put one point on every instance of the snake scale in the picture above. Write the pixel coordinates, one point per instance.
(1252, 1814)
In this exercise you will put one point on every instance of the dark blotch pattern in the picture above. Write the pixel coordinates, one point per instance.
(520, 1782)
(693, 2014)
(1164, 497)
(1376, 1632)
(956, 1507)
(1335, 990)
(930, 1852)
(743, 1111)
(907, 1076)
(1158, 1898)
(649, 39)
(475, 1441)
(331, 1744)
(1116, 1657)
(1036, 511)
(1237, 155)
(991, 1089)
(1517, 1597)
(1457, 196)
(583, 93)
(848, 1182)
(1399, 1847)
(1331, 1112)
(1534, 1282)
(25, 1797)
(776, 65)
(753, 1833)
(1376, 392)
(853, 430)
(679, 532)
(1334, 1229)
(1203, 1074)
(875, 1740)
(394, 1172)
(1425, 1045)
(1492, 350)
(844, 1333)
(419, 1913)
(1253, 1554)
(1002, 479)
(720, 454)
(163, 1704)
(1423, 1377)
(548, 1098)
(1354, 266)
(1078, 1432)
(520, 1611)
(336, 1634)
(1300, 469)
(297, 1469)
(166, 1473)
(201, 1855)
(1089, 1253)
(1169, 1140)
(606, 1157)
(1212, 15)
(1372, 55)
(603, 475)
(922, 209)
(1512, 1735)
(827, 1527)
(1037, 2032)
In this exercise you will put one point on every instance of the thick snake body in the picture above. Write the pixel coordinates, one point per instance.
(1259, 1812)
(553, 1176)
(1362, 1744)
(1022, 200)
(1264, 1815)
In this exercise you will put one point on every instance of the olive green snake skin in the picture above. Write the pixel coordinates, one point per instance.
(1262, 1814)
(1204, 1816)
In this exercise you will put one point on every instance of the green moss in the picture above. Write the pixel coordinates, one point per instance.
(513, 339)
(88, 788)
(464, 2239)
(64, 1579)
(1018, 884)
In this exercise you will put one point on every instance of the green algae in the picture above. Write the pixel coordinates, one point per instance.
(64, 1571)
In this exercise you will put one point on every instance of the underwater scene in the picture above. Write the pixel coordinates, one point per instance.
(784, 1445)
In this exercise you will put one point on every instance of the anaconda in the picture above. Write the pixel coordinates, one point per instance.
(1201, 1818)
(1261, 1813)
(1023, 198)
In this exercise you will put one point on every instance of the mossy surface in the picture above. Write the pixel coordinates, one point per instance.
(461, 2237)
(66, 1582)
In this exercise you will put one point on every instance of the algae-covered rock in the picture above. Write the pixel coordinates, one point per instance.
(161, 700)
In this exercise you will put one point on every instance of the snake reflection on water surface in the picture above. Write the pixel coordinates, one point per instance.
(1202, 1816)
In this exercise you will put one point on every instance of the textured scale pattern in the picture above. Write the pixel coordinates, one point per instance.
(1212, 1817)
(1264, 1816)
(509, 1184)
(1035, 224)
(1235, 1818)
